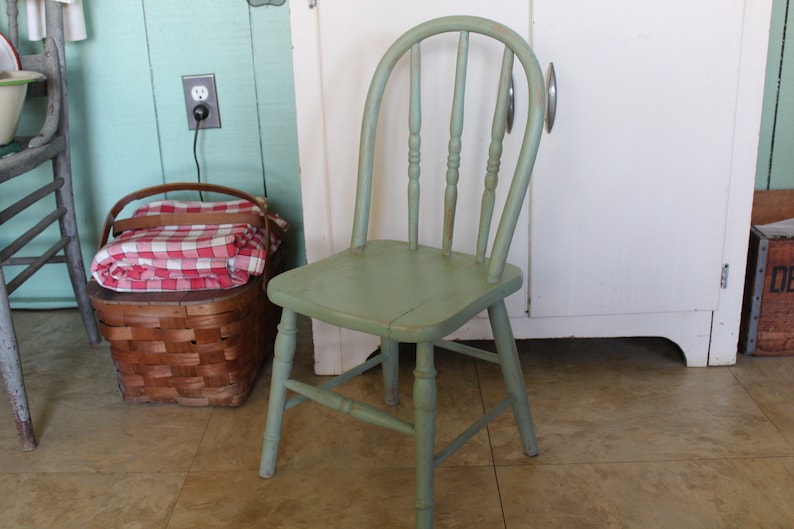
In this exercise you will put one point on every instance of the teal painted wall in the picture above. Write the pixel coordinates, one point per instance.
(128, 119)
(776, 144)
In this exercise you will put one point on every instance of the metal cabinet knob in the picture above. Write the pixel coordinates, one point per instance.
(511, 105)
(551, 99)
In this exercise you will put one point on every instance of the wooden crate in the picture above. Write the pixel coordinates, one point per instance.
(768, 312)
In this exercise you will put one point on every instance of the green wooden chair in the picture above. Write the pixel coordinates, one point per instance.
(407, 292)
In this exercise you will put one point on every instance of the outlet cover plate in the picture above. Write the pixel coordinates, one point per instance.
(200, 89)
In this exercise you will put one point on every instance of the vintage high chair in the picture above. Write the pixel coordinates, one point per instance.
(409, 292)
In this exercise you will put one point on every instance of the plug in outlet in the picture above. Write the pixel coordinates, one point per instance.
(200, 90)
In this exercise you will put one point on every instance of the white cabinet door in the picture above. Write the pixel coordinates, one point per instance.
(631, 190)
(642, 192)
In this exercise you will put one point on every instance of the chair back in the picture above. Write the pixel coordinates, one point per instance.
(515, 47)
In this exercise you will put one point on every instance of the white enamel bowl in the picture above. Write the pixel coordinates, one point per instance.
(13, 89)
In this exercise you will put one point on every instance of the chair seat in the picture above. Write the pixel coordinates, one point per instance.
(392, 291)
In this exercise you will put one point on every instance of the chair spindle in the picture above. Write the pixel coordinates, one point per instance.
(455, 134)
(494, 154)
(414, 145)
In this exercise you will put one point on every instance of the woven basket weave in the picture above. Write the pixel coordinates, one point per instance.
(195, 348)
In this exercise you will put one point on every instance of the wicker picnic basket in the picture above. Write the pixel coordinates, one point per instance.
(195, 348)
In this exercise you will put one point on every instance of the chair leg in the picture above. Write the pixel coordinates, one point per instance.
(284, 352)
(11, 371)
(64, 197)
(391, 374)
(513, 376)
(425, 429)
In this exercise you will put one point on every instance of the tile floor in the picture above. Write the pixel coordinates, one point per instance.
(629, 438)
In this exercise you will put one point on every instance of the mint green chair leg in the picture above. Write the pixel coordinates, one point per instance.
(513, 376)
(425, 430)
(282, 365)
(391, 374)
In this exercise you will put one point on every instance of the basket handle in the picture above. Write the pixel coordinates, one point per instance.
(188, 218)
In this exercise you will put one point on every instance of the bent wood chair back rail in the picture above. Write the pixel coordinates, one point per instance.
(409, 292)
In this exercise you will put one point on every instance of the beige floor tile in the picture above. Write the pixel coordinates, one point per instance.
(80, 420)
(88, 501)
(595, 402)
(466, 497)
(108, 439)
(770, 382)
(233, 438)
(705, 494)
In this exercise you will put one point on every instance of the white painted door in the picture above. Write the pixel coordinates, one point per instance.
(642, 193)
(631, 188)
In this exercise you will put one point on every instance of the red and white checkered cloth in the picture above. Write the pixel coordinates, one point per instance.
(198, 257)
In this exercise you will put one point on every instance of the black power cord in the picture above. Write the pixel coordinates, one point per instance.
(200, 113)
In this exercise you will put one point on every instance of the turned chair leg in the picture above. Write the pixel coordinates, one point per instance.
(425, 429)
(391, 374)
(284, 353)
(513, 376)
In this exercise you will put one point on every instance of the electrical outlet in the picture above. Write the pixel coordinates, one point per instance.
(199, 93)
(200, 90)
